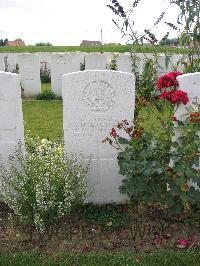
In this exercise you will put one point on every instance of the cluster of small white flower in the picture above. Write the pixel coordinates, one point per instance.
(43, 183)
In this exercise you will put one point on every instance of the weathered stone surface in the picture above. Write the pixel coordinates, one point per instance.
(93, 102)
(124, 63)
(63, 63)
(10, 62)
(29, 70)
(2, 65)
(189, 83)
(11, 119)
(95, 61)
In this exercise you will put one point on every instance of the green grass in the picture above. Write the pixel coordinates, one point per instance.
(44, 118)
(124, 259)
(46, 87)
(105, 48)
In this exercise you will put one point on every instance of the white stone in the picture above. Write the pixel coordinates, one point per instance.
(93, 103)
(189, 83)
(124, 63)
(11, 119)
(10, 62)
(2, 65)
(77, 59)
(63, 63)
(29, 70)
(95, 61)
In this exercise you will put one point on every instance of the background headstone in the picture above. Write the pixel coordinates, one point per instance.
(124, 63)
(10, 62)
(95, 61)
(2, 65)
(29, 70)
(93, 102)
(61, 63)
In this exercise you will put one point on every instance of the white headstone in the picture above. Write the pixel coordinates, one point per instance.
(29, 70)
(10, 62)
(77, 59)
(11, 119)
(124, 63)
(2, 65)
(189, 83)
(95, 61)
(62, 63)
(93, 103)
(161, 68)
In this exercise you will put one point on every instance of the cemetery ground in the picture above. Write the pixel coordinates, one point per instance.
(147, 236)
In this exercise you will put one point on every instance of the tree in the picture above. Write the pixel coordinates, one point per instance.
(3, 42)
(43, 44)
(174, 41)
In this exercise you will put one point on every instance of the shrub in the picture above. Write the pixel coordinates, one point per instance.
(46, 95)
(160, 158)
(43, 183)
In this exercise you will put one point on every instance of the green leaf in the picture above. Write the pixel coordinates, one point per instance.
(123, 140)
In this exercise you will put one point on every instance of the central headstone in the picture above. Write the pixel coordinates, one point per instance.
(94, 101)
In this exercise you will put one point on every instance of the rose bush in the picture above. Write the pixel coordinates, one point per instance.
(145, 156)
(168, 80)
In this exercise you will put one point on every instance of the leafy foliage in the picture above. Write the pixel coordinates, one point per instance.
(108, 217)
(157, 166)
(46, 95)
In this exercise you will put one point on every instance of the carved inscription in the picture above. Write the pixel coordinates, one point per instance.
(98, 96)
(61, 60)
(90, 128)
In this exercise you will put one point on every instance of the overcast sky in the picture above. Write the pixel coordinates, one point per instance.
(68, 22)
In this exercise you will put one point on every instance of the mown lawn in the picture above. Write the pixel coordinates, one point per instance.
(157, 259)
(104, 48)
(44, 118)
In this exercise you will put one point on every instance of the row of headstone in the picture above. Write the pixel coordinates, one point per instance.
(57, 64)
(93, 103)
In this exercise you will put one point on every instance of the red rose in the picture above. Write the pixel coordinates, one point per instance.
(174, 118)
(175, 96)
(114, 133)
(168, 80)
